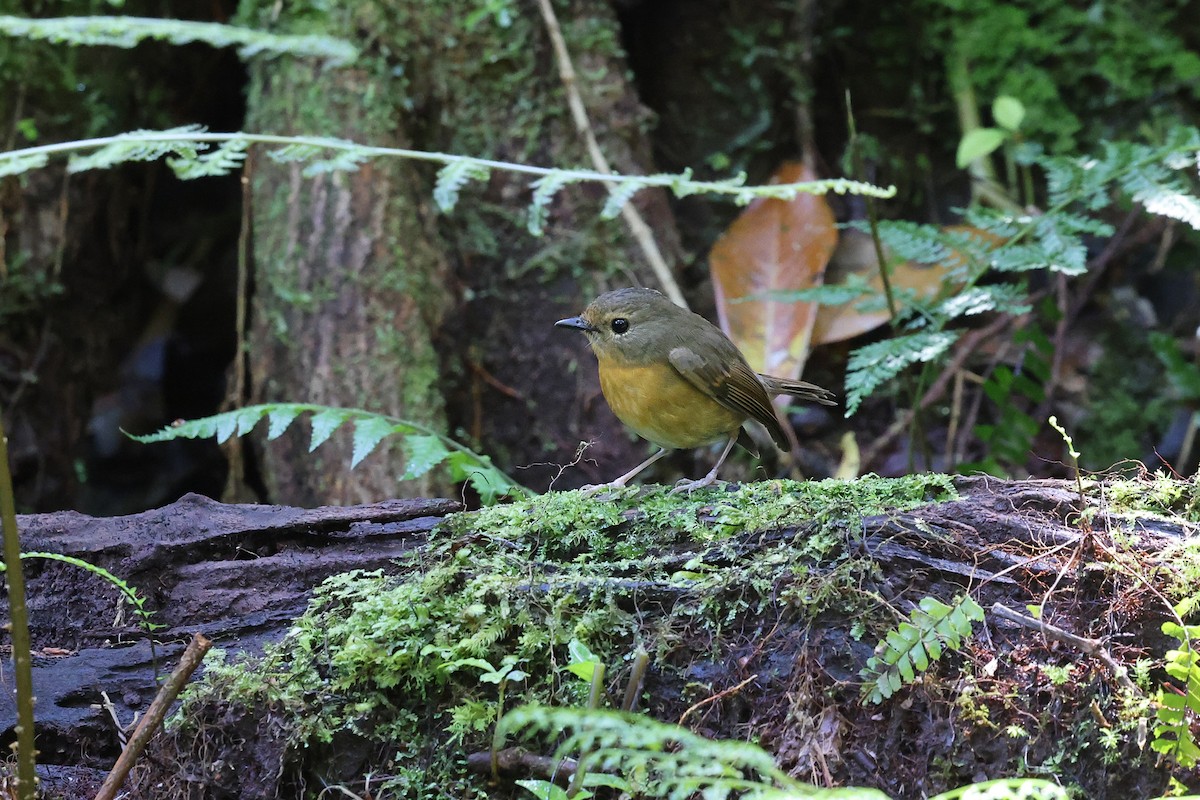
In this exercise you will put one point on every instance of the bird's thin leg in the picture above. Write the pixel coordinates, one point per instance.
(711, 477)
(624, 479)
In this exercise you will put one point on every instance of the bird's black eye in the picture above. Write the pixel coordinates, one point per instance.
(620, 325)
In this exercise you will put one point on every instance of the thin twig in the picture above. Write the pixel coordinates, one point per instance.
(237, 395)
(1091, 647)
(714, 698)
(937, 389)
(637, 226)
(170, 690)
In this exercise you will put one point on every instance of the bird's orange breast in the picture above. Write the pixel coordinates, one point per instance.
(660, 405)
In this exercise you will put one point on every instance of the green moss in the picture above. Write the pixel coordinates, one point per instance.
(402, 657)
(1155, 495)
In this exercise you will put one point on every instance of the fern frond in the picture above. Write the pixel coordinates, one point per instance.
(911, 241)
(1004, 297)
(347, 155)
(1178, 712)
(1007, 789)
(828, 294)
(17, 163)
(618, 196)
(424, 447)
(129, 31)
(1160, 192)
(910, 647)
(668, 760)
(875, 364)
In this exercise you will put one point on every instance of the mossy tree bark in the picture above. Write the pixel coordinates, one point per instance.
(365, 297)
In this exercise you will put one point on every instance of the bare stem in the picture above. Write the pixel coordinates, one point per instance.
(19, 630)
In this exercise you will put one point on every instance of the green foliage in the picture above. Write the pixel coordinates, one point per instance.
(1006, 245)
(1054, 56)
(23, 289)
(1178, 713)
(545, 589)
(1183, 374)
(646, 758)
(1008, 112)
(1014, 392)
(1128, 407)
(129, 31)
(910, 647)
(424, 447)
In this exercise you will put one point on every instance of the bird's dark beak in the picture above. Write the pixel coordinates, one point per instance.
(579, 323)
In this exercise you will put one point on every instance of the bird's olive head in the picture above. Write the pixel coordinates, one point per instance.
(629, 325)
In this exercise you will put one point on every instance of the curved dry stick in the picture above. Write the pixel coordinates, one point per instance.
(637, 226)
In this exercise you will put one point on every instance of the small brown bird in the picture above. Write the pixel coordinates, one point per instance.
(676, 379)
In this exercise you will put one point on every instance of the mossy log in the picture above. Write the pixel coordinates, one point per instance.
(759, 607)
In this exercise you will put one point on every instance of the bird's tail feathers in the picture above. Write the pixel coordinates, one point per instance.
(801, 389)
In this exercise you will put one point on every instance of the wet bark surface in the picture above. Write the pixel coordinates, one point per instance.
(237, 573)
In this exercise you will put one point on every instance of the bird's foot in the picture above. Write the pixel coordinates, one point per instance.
(688, 486)
(592, 490)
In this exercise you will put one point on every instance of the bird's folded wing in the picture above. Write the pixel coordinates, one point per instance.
(732, 384)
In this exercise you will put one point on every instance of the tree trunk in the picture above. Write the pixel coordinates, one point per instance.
(350, 282)
(365, 298)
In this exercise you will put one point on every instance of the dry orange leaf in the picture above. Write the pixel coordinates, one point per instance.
(774, 245)
(855, 254)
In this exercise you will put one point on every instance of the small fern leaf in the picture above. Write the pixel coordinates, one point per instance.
(544, 190)
(280, 418)
(247, 418)
(618, 196)
(452, 177)
(1171, 201)
(979, 299)
(368, 433)
(17, 163)
(347, 157)
(875, 364)
(324, 423)
(139, 146)
(127, 31)
(298, 152)
(908, 649)
(227, 425)
(222, 161)
(421, 454)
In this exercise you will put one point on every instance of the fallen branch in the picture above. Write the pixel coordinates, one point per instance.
(519, 761)
(154, 715)
(1091, 647)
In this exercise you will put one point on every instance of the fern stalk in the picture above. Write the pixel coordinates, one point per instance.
(23, 160)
